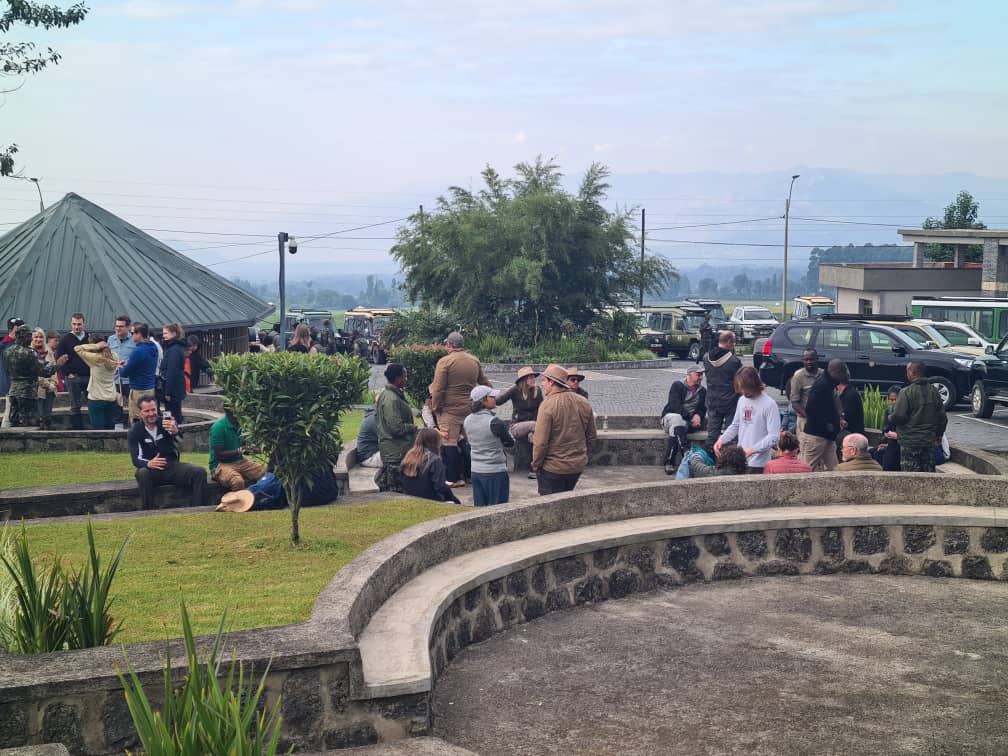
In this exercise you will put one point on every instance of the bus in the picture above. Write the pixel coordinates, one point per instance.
(985, 315)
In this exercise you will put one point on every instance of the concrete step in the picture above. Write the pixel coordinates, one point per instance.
(953, 468)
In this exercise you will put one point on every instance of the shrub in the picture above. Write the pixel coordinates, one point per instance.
(427, 325)
(289, 407)
(420, 361)
(205, 714)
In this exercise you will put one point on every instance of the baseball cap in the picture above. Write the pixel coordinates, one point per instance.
(14, 323)
(695, 369)
(480, 393)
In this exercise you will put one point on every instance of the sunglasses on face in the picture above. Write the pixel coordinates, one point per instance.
(576, 379)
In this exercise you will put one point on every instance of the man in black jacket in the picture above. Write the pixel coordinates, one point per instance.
(76, 371)
(152, 449)
(721, 364)
(685, 410)
(173, 369)
(822, 418)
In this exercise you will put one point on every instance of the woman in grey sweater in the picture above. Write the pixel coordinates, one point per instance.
(487, 435)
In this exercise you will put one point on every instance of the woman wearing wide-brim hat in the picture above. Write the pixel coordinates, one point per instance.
(525, 397)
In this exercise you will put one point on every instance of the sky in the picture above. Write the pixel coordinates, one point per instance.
(204, 120)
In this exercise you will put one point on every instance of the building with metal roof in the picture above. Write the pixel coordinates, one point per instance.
(77, 257)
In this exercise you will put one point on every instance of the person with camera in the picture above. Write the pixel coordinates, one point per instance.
(152, 445)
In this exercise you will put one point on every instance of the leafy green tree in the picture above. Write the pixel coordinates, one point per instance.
(289, 407)
(522, 255)
(708, 287)
(962, 213)
(19, 58)
(741, 284)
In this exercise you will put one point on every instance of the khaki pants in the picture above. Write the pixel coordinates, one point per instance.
(819, 453)
(134, 398)
(235, 476)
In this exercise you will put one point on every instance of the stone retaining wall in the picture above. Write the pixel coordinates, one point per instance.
(976, 553)
(196, 438)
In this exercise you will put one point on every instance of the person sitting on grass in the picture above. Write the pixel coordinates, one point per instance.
(788, 461)
(156, 458)
(422, 471)
(731, 460)
(228, 465)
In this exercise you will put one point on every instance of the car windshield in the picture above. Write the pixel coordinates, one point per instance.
(823, 309)
(921, 336)
(936, 337)
(758, 314)
(693, 322)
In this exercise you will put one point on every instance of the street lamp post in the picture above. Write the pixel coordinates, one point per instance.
(787, 213)
(41, 204)
(283, 238)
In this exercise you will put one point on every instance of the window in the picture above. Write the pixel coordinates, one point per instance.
(835, 338)
(864, 306)
(800, 336)
(875, 341)
(954, 335)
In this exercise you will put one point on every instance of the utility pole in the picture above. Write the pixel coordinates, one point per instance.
(640, 301)
(291, 242)
(787, 213)
(41, 204)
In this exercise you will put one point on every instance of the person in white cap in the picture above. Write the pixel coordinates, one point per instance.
(564, 428)
(487, 435)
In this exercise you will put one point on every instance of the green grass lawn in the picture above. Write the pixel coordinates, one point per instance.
(29, 469)
(242, 563)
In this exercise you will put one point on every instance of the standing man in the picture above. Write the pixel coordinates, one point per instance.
(122, 345)
(24, 370)
(140, 369)
(8, 341)
(822, 418)
(77, 371)
(799, 388)
(851, 413)
(706, 337)
(920, 420)
(156, 459)
(228, 465)
(455, 376)
(396, 431)
(756, 423)
(564, 428)
(721, 366)
(685, 411)
(173, 369)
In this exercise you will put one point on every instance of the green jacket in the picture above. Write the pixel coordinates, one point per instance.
(394, 421)
(24, 370)
(919, 416)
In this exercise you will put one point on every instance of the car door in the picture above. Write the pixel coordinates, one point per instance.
(880, 359)
(835, 342)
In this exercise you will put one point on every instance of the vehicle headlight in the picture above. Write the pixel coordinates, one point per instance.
(966, 362)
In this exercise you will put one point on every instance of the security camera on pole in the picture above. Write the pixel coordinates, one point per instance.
(291, 242)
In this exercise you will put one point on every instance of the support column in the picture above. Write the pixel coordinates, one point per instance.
(995, 269)
(918, 255)
(959, 255)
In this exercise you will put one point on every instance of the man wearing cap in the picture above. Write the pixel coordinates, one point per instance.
(565, 427)
(455, 376)
(78, 374)
(575, 381)
(684, 411)
(396, 430)
(7, 341)
(487, 435)
(24, 370)
(525, 397)
(156, 458)
(228, 465)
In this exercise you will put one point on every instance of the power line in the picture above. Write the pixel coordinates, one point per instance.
(721, 223)
(358, 228)
(849, 223)
(733, 244)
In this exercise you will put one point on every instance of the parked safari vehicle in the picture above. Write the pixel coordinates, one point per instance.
(876, 355)
(364, 325)
(809, 306)
(992, 388)
(756, 322)
(959, 334)
(672, 329)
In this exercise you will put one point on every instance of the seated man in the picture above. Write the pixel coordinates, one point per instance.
(856, 456)
(228, 465)
(367, 441)
(685, 411)
(152, 447)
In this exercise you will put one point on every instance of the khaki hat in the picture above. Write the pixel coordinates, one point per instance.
(525, 372)
(574, 371)
(556, 374)
(236, 501)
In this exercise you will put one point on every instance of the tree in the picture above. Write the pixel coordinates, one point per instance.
(522, 255)
(741, 284)
(708, 287)
(289, 407)
(962, 213)
(19, 58)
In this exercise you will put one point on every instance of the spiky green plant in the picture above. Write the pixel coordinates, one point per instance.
(37, 624)
(90, 600)
(875, 404)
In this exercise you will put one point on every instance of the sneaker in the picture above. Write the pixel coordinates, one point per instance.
(531, 476)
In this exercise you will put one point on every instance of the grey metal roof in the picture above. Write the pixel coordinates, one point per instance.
(77, 257)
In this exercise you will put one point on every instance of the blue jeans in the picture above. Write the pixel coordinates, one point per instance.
(683, 473)
(490, 488)
(77, 386)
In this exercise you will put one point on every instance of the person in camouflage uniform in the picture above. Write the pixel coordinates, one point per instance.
(920, 420)
(24, 370)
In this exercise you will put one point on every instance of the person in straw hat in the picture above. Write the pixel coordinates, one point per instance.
(564, 428)
(525, 397)
(575, 379)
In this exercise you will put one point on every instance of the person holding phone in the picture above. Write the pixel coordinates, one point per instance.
(152, 445)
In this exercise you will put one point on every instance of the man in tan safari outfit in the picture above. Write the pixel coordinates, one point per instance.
(455, 375)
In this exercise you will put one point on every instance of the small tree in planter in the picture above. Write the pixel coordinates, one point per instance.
(289, 407)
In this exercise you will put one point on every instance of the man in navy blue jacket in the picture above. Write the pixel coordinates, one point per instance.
(140, 368)
(173, 369)
(156, 459)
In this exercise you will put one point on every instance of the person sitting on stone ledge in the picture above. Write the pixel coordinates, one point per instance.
(856, 456)
(156, 458)
(684, 411)
(368, 454)
(525, 397)
(228, 465)
(788, 461)
(731, 460)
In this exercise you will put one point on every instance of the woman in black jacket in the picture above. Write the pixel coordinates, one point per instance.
(422, 471)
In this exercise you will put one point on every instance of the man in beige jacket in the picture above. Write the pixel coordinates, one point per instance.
(455, 375)
(564, 428)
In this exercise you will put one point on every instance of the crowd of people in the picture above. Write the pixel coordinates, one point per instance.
(107, 375)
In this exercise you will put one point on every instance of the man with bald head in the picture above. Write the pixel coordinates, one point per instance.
(822, 417)
(919, 420)
(856, 456)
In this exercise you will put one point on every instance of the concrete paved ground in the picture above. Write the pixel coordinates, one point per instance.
(644, 392)
(840, 664)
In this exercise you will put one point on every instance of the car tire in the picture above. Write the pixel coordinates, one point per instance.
(947, 391)
(982, 404)
(694, 352)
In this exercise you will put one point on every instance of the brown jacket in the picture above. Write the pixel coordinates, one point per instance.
(860, 462)
(455, 375)
(564, 428)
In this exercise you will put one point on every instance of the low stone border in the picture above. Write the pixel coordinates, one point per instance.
(96, 498)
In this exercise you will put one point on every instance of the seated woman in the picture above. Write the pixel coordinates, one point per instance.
(788, 461)
(422, 471)
(887, 453)
(525, 397)
(302, 341)
(731, 460)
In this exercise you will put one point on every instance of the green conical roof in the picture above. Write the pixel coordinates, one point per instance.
(78, 257)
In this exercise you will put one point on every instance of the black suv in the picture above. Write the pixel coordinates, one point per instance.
(992, 387)
(876, 355)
